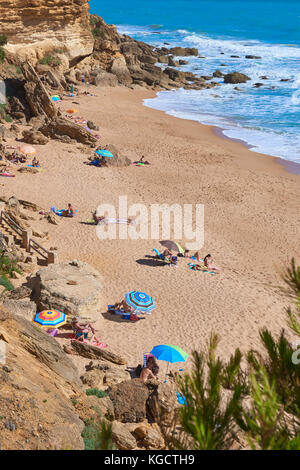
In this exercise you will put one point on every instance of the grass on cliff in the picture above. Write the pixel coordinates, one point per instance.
(3, 114)
(96, 392)
(7, 268)
(97, 436)
(50, 60)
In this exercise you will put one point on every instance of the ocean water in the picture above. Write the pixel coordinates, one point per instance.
(266, 118)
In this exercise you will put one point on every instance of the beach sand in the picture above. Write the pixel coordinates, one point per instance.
(252, 222)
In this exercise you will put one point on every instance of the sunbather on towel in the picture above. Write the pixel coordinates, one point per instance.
(70, 212)
(208, 263)
(167, 254)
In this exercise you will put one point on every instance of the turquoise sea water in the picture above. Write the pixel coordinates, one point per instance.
(267, 118)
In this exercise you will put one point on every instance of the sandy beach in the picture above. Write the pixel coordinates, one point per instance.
(252, 222)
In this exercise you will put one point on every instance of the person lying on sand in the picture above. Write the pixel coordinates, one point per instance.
(141, 160)
(70, 212)
(82, 330)
(208, 263)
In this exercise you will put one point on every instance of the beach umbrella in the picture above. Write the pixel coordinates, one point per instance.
(169, 353)
(71, 111)
(172, 246)
(140, 301)
(50, 318)
(104, 153)
(26, 149)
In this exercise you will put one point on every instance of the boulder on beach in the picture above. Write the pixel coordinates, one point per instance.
(52, 289)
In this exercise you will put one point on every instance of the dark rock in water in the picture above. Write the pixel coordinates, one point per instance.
(184, 51)
(237, 88)
(167, 43)
(252, 57)
(183, 62)
(223, 65)
(236, 77)
(218, 74)
(235, 56)
(285, 80)
(206, 77)
(263, 77)
(258, 85)
(201, 57)
(172, 62)
(162, 59)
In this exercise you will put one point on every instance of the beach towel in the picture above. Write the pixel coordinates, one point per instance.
(7, 174)
(59, 212)
(112, 220)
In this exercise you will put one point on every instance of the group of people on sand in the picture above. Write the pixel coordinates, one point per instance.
(207, 261)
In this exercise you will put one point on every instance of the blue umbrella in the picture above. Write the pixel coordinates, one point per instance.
(140, 301)
(104, 153)
(169, 353)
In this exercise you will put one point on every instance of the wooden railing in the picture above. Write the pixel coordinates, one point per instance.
(27, 242)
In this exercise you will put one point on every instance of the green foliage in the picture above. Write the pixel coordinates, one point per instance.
(280, 369)
(291, 277)
(264, 422)
(97, 436)
(50, 60)
(6, 283)
(2, 55)
(4, 115)
(93, 21)
(97, 33)
(3, 40)
(95, 391)
(8, 266)
(207, 423)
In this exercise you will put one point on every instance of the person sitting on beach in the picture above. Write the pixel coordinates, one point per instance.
(150, 371)
(124, 307)
(167, 254)
(97, 218)
(81, 331)
(208, 263)
(35, 162)
(70, 212)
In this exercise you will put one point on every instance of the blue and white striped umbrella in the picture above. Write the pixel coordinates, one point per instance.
(104, 153)
(140, 301)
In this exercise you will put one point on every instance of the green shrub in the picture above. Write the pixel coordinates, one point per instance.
(3, 40)
(2, 55)
(95, 391)
(97, 33)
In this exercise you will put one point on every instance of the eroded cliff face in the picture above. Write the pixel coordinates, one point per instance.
(37, 27)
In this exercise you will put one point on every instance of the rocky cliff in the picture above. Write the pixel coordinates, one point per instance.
(37, 27)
